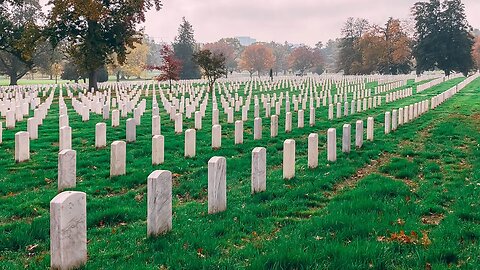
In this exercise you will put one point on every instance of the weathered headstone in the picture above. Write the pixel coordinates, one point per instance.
(156, 125)
(257, 129)
(22, 146)
(115, 118)
(274, 126)
(32, 128)
(388, 124)
(65, 141)
(131, 131)
(288, 122)
(67, 169)
(288, 159)
(359, 134)
(118, 158)
(100, 135)
(190, 143)
(159, 203)
(158, 149)
(68, 230)
(216, 136)
(259, 169)
(347, 138)
(217, 185)
(332, 145)
(370, 128)
(313, 150)
(238, 132)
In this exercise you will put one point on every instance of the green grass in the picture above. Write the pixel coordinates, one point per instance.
(429, 167)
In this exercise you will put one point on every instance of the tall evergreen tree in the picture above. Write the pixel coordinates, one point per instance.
(443, 36)
(184, 48)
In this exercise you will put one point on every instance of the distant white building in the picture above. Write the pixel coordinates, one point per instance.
(246, 41)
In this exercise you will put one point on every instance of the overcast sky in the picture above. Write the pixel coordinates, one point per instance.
(296, 21)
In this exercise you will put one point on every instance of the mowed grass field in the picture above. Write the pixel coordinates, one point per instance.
(407, 200)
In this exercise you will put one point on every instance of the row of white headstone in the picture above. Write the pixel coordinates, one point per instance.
(68, 229)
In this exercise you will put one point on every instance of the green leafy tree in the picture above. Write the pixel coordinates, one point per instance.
(94, 30)
(212, 64)
(19, 35)
(443, 37)
(184, 48)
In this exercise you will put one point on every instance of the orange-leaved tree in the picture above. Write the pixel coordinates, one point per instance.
(257, 58)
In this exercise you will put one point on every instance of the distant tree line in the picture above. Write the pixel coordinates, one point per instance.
(88, 42)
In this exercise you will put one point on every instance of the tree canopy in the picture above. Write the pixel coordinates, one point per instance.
(443, 36)
(212, 64)
(96, 29)
(20, 34)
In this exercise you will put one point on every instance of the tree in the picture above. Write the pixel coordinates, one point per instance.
(93, 30)
(349, 55)
(257, 58)
(227, 50)
(136, 60)
(171, 67)
(443, 36)
(476, 52)
(304, 58)
(56, 70)
(371, 46)
(212, 64)
(19, 35)
(397, 52)
(281, 53)
(330, 55)
(71, 72)
(184, 47)
(153, 57)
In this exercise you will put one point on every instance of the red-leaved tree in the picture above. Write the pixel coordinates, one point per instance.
(170, 68)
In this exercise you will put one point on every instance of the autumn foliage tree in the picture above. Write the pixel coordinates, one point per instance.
(212, 65)
(170, 68)
(368, 49)
(94, 30)
(257, 58)
(476, 52)
(304, 58)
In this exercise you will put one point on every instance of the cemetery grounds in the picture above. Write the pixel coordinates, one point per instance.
(406, 200)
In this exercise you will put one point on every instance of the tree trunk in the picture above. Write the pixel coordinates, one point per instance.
(447, 73)
(13, 79)
(92, 80)
(118, 76)
(170, 81)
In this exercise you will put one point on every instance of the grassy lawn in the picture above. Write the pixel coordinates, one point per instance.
(407, 200)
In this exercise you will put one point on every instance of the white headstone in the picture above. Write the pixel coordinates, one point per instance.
(158, 144)
(159, 203)
(67, 169)
(22, 146)
(332, 145)
(259, 169)
(313, 150)
(68, 230)
(217, 185)
(118, 158)
(288, 159)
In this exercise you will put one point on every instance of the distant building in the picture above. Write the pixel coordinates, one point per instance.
(246, 41)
